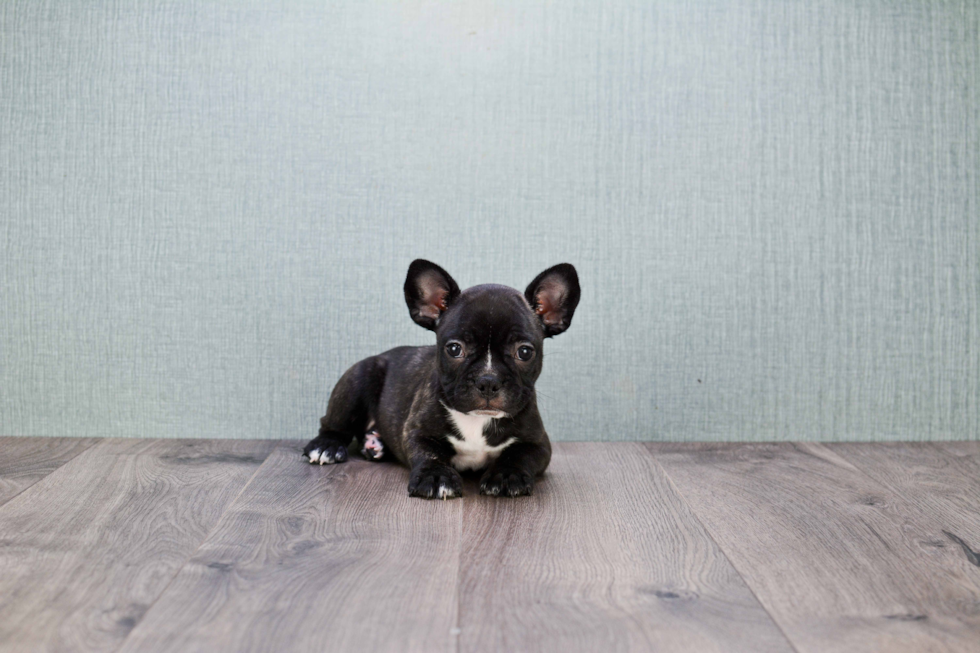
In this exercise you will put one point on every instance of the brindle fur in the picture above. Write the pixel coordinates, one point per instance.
(404, 392)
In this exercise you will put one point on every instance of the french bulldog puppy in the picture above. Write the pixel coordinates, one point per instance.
(466, 403)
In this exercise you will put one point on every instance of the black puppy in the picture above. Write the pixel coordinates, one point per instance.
(467, 403)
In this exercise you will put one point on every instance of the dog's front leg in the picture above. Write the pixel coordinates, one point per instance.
(432, 477)
(512, 474)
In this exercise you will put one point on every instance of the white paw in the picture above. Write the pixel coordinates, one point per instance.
(374, 448)
(322, 457)
(445, 492)
(326, 453)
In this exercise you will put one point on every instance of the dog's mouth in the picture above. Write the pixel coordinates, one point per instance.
(489, 412)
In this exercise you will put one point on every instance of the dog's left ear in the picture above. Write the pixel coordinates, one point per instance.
(553, 295)
(429, 290)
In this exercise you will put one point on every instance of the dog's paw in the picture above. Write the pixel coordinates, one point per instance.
(506, 483)
(373, 448)
(435, 482)
(325, 452)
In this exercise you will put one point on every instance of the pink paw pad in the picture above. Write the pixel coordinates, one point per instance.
(373, 448)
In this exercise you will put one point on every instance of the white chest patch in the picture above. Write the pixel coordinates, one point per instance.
(472, 450)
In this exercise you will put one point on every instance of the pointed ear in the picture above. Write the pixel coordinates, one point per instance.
(429, 290)
(553, 295)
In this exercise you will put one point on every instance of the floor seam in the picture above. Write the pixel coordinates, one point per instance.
(210, 532)
(457, 632)
(863, 469)
(721, 549)
(56, 469)
(861, 466)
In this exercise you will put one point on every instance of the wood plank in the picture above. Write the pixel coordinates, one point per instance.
(313, 558)
(603, 557)
(837, 558)
(25, 461)
(941, 479)
(85, 551)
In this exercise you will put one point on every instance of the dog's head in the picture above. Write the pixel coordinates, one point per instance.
(489, 338)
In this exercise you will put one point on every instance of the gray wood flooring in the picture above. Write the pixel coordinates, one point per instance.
(179, 545)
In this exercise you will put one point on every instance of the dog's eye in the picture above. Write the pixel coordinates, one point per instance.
(525, 352)
(454, 349)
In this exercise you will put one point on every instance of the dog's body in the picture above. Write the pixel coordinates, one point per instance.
(466, 403)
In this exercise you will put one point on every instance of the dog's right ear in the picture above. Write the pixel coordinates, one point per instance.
(429, 291)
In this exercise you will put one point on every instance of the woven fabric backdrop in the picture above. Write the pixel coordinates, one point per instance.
(207, 208)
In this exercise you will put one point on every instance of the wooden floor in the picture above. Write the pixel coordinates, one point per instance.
(178, 545)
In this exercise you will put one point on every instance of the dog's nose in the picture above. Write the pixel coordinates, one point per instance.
(488, 385)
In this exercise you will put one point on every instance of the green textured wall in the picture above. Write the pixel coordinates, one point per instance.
(207, 209)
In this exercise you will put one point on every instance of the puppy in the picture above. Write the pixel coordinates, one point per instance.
(467, 403)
